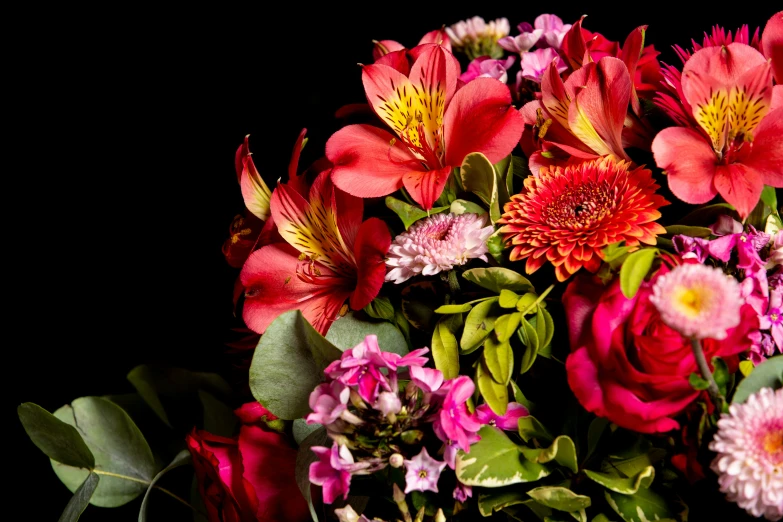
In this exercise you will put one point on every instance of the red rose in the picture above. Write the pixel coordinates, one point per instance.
(248, 478)
(629, 367)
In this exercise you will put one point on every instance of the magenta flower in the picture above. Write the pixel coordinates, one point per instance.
(333, 471)
(698, 301)
(422, 472)
(360, 366)
(388, 403)
(462, 492)
(772, 320)
(328, 401)
(508, 421)
(747, 244)
(454, 422)
(691, 247)
(428, 379)
(486, 67)
(534, 64)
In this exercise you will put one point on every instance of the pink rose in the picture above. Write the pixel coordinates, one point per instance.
(249, 477)
(629, 367)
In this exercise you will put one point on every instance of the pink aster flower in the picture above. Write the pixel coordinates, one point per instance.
(438, 243)
(455, 424)
(535, 63)
(749, 460)
(698, 301)
(507, 421)
(422, 472)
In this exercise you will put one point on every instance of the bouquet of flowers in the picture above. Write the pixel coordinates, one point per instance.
(534, 275)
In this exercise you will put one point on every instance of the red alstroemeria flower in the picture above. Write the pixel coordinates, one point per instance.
(384, 47)
(737, 147)
(436, 126)
(328, 256)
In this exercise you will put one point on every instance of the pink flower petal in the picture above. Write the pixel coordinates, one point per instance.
(740, 186)
(689, 162)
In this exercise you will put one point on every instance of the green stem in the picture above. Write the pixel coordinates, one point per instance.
(147, 483)
(453, 282)
(540, 298)
(698, 354)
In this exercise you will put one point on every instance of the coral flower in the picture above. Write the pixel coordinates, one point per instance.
(736, 148)
(568, 215)
(435, 124)
(328, 256)
(749, 460)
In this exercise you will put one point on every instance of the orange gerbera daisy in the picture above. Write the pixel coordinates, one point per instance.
(568, 215)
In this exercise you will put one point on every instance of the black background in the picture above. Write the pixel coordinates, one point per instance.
(122, 135)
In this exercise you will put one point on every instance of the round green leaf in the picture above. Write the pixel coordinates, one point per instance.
(349, 331)
(768, 374)
(58, 440)
(123, 458)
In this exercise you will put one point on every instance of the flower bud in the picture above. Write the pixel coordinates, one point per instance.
(396, 460)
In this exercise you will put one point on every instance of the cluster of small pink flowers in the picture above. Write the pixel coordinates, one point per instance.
(467, 33)
(546, 33)
(749, 460)
(438, 243)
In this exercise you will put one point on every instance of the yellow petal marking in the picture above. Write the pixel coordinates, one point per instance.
(713, 117)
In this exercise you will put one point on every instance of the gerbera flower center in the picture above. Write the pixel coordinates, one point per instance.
(579, 206)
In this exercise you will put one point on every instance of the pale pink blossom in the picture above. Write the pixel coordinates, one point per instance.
(507, 421)
(534, 63)
(422, 472)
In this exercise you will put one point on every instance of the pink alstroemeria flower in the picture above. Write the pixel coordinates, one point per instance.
(507, 421)
(736, 148)
(328, 256)
(383, 47)
(435, 127)
(772, 46)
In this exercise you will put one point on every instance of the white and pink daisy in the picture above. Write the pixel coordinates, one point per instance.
(698, 301)
(438, 243)
(749, 460)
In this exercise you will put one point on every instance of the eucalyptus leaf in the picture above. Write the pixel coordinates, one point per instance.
(349, 331)
(634, 269)
(409, 214)
(58, 440)
(496, 461)
(494, 393)
(624, 485)
(497, 278)
(445, 351)
(479, 323)
(304, 458)
(768, 374)
(80, 499)
(182, 458)
(643, 506)
(562, 499)
(122, 456)
(301, 429)
(288, 364)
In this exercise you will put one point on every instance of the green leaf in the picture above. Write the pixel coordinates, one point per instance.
(80, 499)
(288, 364)
(624, 485)
(773, 224)
(301, 429)
(562, 450)
(495, 499)
(496, 247)
(419, 300)
(304, 457)
(59, 441)
(508, 298)
(499, 358)
(494, 393)
(454, 308)
(562, 499)
(520, 397)
(702, 232)
(643, 506)
(118, 446)
(721, 374)
(495, 461)
(182, 458)
(445, 351)
(634, 269)
(506, 325)
(746, 367)
(545, 328)
(527, 334)
(461, 206)
(497, 278)
(531, 428)
(478, 176)
(615, 254)
(479, 324)
(769, 197)
(219, 419)
(707, 215)
(349, 331)
(380, 308)
(698, 382)
(768, 374)
(526, 303)
(630, 466)
(409, 214)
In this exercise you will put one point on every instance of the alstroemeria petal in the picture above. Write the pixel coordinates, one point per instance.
(767, 156)
(772, 44)
(372, 243)
(689, 162)
(740, 186)
(426, 187)
(632, 51)
(481, 118)
(368, 161)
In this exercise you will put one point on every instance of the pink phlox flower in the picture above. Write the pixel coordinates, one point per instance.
(333, 471)
(428, 379)
(454, 422)
(762, 348)
(534, 64)
(450, 447)
(554, 30)
(361, 367)
(388, 403)
(776, 253)
(521, 43)
(422, 472)
(507, 421)
(486, 67)
(772, 320)
(462, 492)
(732, 236)
(691, 247)
(414, 358)
(328, 401)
